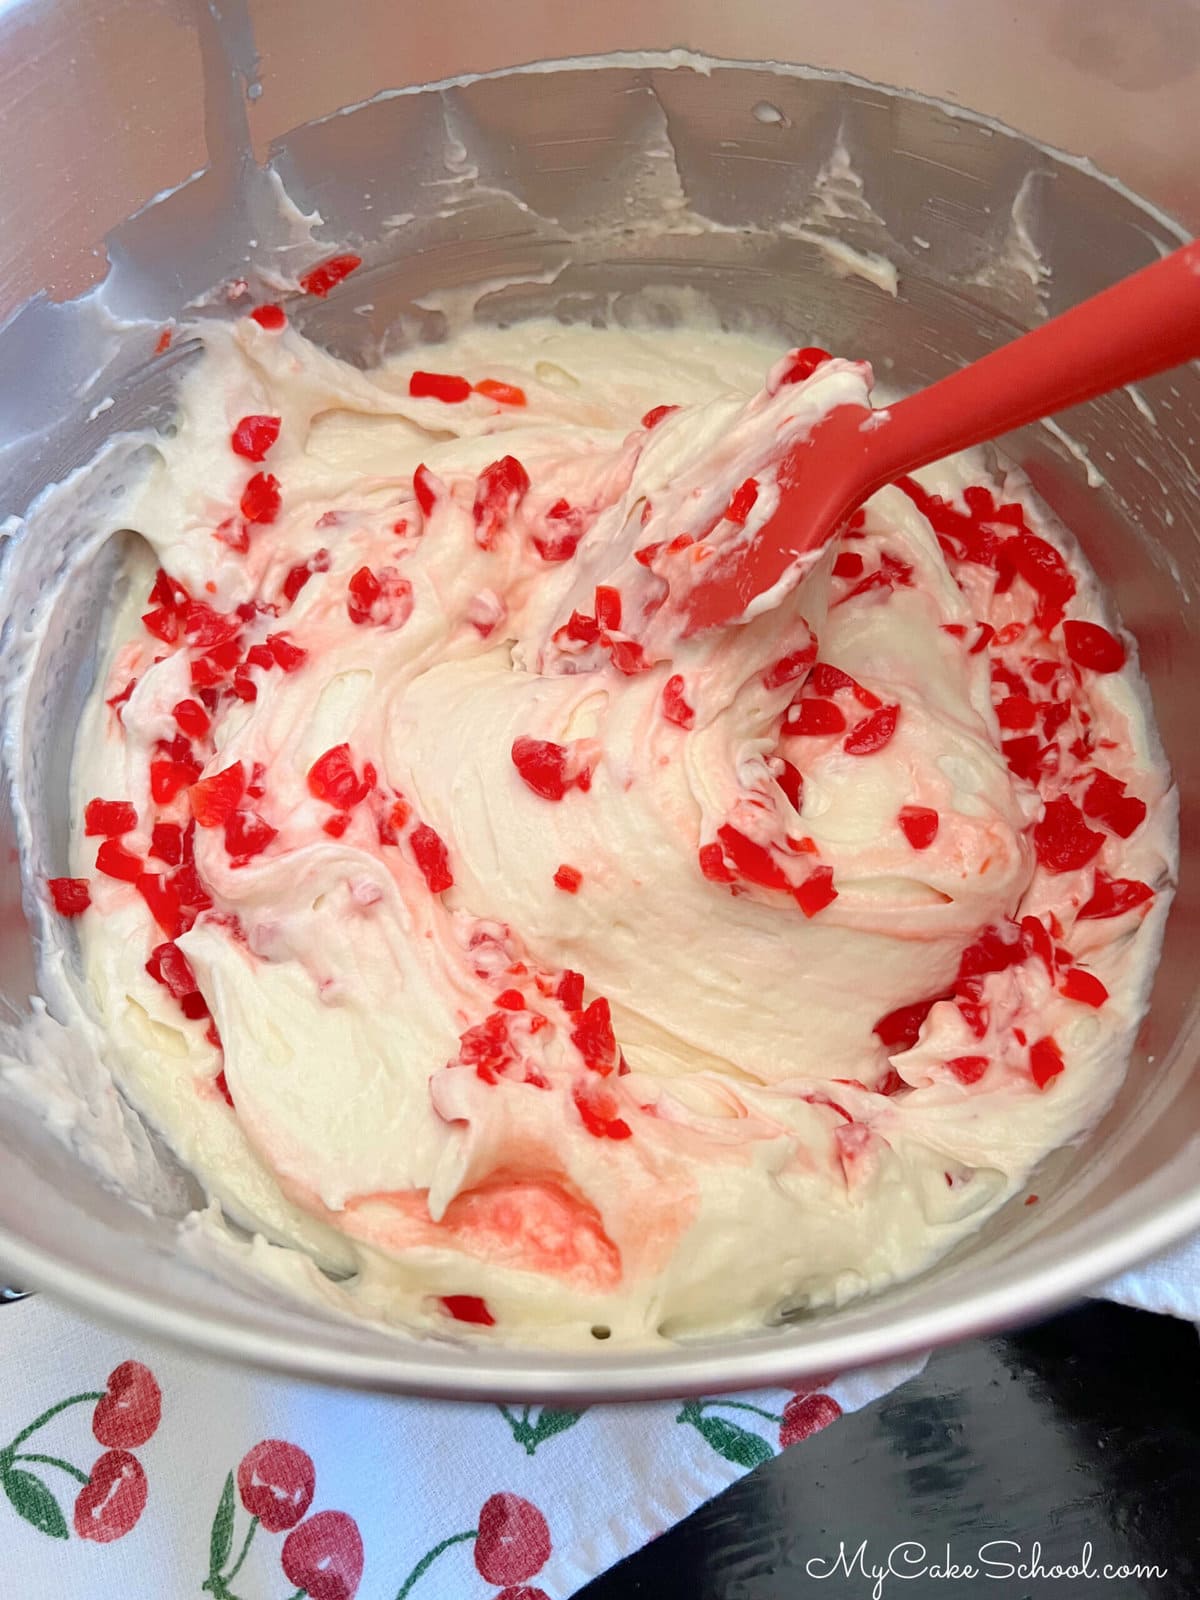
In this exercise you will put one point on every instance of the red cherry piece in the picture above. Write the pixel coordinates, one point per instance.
(628, 657)
(901, 1028)
(1045, 1061)
(742, 502)
(112, 1499)
(1045, 571)
(429, 851)
(513, 1542)
(336, 825)
(751, 860)
(714, 865)
(70, 896)
(1062, 839)
(214, 800)
(427, 486)
(324, 1556)
(816, 892)
(498, 492)
(849, 564)
(319, 280)
(1091, 646)
(968, 1069)
(792, 784)
(469, 1308)
(332, 778)
(261, 498)
(655, 415)
(790, 667)
(247, 834)
(674, 702)
(447, 387)
(270, 317)
(114, 861)
(827, 680)
(276, 1481)
(542, 766)
(164, 901)
(191, 718)
(598, 1110)
(169, 966)
(919, 824)
(504, 394)
(607, 607)
(254, 436)
(593, 1037)
(1112, 897)
(804, 363)
(1084, 987)
(814, 719)
(286, 655)
(1024, 756)
(806, 1414)
(568, 879)
(1016, 712)
(130, 1409)
(108, 818)
(1106, 801)
(171, 778)
(872, 733)
(569, 990)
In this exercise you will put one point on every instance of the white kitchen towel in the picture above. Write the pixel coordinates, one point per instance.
(130, 1468)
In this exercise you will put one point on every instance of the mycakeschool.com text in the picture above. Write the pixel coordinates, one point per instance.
(885, 1571)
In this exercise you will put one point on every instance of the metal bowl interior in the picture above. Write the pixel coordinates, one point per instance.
(602, 190)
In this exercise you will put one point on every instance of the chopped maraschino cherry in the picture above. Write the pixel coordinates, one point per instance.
(319, 280)
(1084, 987)
(447, 387)
(504, 394)
(261, 498)
(108, 818)
(214, 800)
(71, 896)
(429, 851)
(1045, 1061)
(919, 824)
(544, 766)
(1091, 646)
(254, 436)
(332, 778)
(469, 1308)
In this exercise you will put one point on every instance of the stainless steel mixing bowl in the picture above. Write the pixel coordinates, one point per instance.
(588, 189)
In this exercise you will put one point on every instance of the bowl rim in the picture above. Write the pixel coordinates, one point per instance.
(479, 1372)
(531, 1375)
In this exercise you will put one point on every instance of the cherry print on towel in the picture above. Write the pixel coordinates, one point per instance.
(804, 1414)
(512, 1545)
(112, 1493)
(322, 1556)
(533, 1425)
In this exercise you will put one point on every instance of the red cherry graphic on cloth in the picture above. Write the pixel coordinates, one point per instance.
(276, 1482)
(806, 1414)
(513, 1542)
(112, 1499)
(522, 1591)
(324, 1556)
(130, 1409)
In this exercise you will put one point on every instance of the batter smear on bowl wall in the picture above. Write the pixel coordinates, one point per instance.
(468, 928)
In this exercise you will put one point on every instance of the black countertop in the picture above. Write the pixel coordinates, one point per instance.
(1084, 1430)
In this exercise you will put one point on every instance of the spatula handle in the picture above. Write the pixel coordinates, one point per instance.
(1142, 325)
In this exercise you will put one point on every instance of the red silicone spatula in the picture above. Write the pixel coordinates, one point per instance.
(1140, 326)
